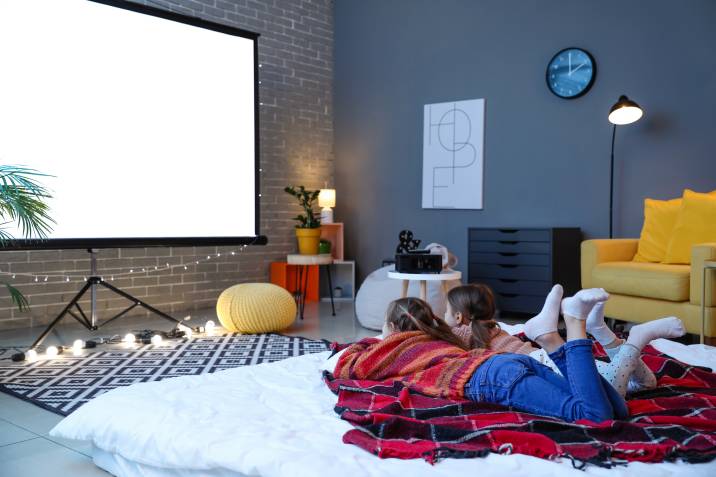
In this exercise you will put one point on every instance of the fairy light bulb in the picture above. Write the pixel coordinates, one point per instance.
(129, 338)
(209, 327)
(77, 346)
(31, 355)
(156, 340)
(52, 351)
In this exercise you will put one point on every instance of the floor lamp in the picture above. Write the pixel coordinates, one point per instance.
(624, 111)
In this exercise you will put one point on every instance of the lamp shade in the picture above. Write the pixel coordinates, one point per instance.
(327, 198)
(625, 111)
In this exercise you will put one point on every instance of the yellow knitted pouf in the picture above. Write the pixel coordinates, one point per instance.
(255, 308)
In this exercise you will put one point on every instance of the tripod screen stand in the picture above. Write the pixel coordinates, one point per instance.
(74, 309)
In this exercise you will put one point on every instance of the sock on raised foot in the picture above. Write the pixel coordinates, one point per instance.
(597, 327)
(579, 305)
(547, 319)
(669, 327)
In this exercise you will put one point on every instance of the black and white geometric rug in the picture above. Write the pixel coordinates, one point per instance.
(63, 384)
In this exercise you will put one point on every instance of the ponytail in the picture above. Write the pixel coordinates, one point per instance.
(476, 303)
(413, 314)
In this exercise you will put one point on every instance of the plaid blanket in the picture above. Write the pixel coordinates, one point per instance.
(675, 420)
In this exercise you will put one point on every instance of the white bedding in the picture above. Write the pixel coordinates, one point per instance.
(276, 420)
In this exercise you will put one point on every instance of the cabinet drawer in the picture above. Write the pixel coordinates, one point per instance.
(521, 287)
(525, 272)
(510, 258)
(515, 235)
(519, 303)
(510, 247)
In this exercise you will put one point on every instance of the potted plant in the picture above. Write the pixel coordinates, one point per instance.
(308, 230)
(23, 200)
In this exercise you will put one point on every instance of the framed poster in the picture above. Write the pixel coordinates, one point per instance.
(453, 154)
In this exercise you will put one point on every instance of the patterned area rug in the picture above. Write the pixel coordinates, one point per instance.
(64, 384)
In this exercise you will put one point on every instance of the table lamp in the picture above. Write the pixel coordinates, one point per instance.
(326, 200)
(624, 111)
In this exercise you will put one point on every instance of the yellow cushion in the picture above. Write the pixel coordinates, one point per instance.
(659, 220)
(256, 308)
(695, 224)
(650, 280)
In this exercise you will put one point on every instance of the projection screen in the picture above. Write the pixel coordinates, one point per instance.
(146, 120)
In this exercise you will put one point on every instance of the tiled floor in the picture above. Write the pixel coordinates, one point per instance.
(26, 450)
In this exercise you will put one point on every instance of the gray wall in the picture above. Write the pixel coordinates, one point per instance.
(296, 51)
(546, 159)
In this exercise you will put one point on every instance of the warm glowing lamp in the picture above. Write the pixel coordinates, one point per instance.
(624, 111)
(327, 200)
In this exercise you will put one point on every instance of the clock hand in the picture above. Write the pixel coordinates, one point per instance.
(575, 69)
(570, 64)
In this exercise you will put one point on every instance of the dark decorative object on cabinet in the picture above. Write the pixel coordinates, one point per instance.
(521, 265)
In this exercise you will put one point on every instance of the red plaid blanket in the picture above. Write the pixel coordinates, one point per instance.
(675, 420)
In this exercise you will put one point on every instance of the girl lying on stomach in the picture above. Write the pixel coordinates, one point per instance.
(420, 350)
(471, 311)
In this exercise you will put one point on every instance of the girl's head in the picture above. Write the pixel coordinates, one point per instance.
(473, 305)
(413, 314)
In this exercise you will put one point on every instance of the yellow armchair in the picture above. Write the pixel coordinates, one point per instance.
(645, 291)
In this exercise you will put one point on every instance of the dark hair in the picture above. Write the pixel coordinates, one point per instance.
(476, 302)
(413, 314)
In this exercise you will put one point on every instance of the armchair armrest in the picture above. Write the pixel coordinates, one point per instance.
(701, 253)
(598, 251)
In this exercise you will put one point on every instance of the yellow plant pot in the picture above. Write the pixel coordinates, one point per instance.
(308, 240)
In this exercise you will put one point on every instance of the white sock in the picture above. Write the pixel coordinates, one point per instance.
(579, 305)
(669, 327)
(547, 319)
(597, 327)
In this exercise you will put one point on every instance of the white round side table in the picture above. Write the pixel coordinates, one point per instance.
(303, 262)
(424, 278)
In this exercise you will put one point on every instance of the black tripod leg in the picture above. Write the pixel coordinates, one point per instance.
(330, 289)
(62, 314)
(138, 302)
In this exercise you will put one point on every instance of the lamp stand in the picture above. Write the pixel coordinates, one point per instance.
(611, 187)
(326, 215)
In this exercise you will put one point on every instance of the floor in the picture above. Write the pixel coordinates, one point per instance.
(26, 450)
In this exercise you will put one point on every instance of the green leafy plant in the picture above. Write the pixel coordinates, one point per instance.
(22, 202)
(306, 198)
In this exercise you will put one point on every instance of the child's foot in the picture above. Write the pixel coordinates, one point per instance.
(669, 327)
(597, 327)
(579, 305)
(546, 321)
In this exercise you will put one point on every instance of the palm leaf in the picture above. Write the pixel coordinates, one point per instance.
(17, 297)
(22, 201)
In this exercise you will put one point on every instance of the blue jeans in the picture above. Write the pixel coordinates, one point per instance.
(523, 383)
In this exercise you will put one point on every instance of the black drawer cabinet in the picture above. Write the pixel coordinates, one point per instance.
(521, 265)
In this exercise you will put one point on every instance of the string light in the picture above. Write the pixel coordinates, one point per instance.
(129, 338)
(31, 355)
(156, 340)
(52, 351)
(77, 347)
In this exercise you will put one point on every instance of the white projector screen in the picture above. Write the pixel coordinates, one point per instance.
(146, 120)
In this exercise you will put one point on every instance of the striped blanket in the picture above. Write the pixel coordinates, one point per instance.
(675, 420)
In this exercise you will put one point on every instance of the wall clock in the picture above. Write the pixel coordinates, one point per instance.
(570, 73)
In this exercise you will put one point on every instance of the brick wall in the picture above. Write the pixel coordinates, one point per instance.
(296, 54)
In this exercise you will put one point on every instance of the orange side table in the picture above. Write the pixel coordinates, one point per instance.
(286, 276)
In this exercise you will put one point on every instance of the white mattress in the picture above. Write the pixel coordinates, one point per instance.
(276, 420)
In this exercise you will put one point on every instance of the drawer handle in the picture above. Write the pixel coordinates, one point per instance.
(509, 295)
(508, 266)
(508, 231)
(508, 254)
(508, 280)
(508, 242)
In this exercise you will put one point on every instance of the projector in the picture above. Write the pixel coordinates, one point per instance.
(418, 261)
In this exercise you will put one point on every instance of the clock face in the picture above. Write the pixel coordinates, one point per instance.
(571, 73)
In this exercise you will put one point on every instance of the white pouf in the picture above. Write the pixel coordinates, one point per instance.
(377, 291)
